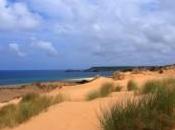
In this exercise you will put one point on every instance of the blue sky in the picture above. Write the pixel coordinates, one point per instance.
(61, 34)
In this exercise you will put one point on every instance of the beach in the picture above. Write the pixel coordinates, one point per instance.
(87, 65)
(78, 113)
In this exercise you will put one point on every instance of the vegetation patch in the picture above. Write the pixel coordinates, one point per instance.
(92, 95)
(118, 88)
(152, 112)
(132, 85)
(152, 86)
(155, 85)
(104, 91)
(29, 106)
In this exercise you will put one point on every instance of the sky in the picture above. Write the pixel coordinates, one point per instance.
(62, 34)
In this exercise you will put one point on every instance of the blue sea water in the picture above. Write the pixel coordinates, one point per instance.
(11, 77)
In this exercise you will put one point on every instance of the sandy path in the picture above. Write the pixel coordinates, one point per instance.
(65, 116)
(72, 115)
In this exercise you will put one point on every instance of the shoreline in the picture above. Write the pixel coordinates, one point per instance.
(19, 85)
(80, 79)
(10, 92)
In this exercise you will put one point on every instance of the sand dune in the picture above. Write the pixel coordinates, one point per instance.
(79, 92)
(65, 116)
(71, 116)
(78, 114)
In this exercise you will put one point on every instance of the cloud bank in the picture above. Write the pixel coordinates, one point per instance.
(123, 32)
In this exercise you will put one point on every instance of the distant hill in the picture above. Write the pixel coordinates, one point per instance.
(71, 70)
(108, 68)
(119, 68)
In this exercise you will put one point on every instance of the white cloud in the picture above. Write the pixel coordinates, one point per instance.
(46, 47)
(122, 27)
(16, 16)
(108, 28)
(15, 48)
(64, 29)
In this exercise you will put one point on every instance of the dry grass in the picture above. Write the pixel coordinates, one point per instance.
(152, 112)
(118, 88)
(29, 106)
(132, 85)
(104, 91)
(154, 85)
(92, 95)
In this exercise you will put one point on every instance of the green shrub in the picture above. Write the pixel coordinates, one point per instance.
(30, 105)
(132, 85)
(151, 112)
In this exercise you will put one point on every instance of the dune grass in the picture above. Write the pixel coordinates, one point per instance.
(104, 91)
(92, 95)
(154, 85)
(30, 105)
(152, 112)
(118, 88)
(132, 85)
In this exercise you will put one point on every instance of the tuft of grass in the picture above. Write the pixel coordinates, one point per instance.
(132, 85)
(152, 86)
(29, 106)
(92, 95)
(155, 85)
(104, 91)
(151, 112)
(30, 97)
(8, 116)
(118, 88)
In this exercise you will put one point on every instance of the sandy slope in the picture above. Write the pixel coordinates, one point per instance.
(65, 116)
(79, 92)
(70, 116)
(78, 114)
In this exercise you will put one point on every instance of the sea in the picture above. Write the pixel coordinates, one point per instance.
(14, 77)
